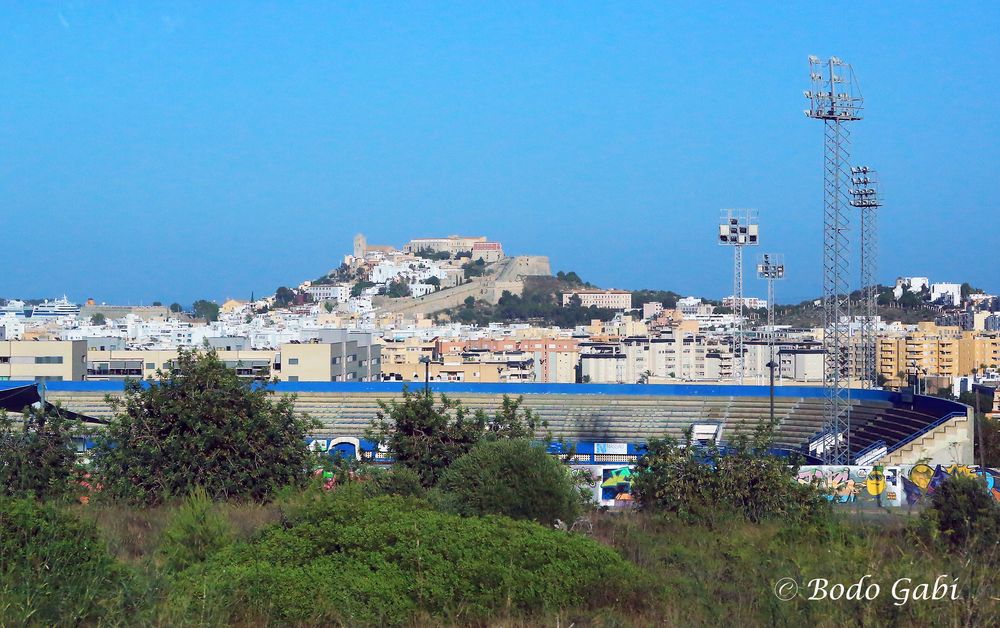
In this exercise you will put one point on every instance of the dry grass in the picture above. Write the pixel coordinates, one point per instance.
(133, 534)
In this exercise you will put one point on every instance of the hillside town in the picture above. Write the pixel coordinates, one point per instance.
(382, 315)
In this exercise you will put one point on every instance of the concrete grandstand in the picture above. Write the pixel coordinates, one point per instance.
(889, 427)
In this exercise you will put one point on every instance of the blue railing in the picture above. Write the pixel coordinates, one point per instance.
(931, 426)
(870, 448)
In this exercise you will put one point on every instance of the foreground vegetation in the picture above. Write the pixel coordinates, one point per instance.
(343, 558)
(475, 524)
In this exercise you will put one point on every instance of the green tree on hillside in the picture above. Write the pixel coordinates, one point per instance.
(206, 310)
(176, 307)
(98, 319)
(397, 289)
(360, 287)
(201, 425)
(284, 296)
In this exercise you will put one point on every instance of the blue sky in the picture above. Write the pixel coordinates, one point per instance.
(176, 151)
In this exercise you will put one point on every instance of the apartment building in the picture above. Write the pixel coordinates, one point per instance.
(554, 360)
(406, 352)
(611, 299)
(681, 357)
(119, 364)
(338, 355)
(334, 355)
(752, 303)
(481, 366)
(42, 361)
(799, 361)
(933, 350)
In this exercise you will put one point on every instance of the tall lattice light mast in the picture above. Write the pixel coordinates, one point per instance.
(771, 267)
(835, 98)
(738, 228)
(866, 197)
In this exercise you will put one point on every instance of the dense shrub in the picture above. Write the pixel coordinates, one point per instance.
(512, 478)
(706, 483)
(427, 437)
(54, 569)
(963, 512)
(200, 424)
(37, 457)
(399, 480)
(196, 529)
(347, 559)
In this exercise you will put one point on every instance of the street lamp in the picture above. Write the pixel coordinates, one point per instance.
(426, 361)
(771, 366)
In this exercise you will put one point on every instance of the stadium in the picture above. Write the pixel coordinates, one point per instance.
(608, 423)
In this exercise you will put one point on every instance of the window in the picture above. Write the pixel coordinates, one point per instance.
(48, 359)
(293, 361)
(150, 366)
(293, 378)
(336, 360)
(352, 358)
(49, 378)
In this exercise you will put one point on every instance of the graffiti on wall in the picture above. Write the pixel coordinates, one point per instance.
(616, 484)
(874, 486)
(921, 480)
(892, 486)
(880, 486)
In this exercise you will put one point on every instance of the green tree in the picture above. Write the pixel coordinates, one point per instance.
(360, 287)
(37, 457)
(475, 268)
(428, 437)
(157, 303)
(207, 310)
(963, 512)
(702, 484)
(433, 281)
(284, 296)
(176, 307)
(201, 425)
(98, 319)
(397, 289)
(328, 307)
(514, 478)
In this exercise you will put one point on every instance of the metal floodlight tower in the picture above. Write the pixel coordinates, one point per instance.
(771, 267)
(866, 197)
(738, 228)
(835, 98)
